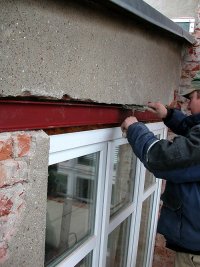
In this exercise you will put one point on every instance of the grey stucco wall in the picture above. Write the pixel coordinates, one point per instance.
(57, 48)
(175, 8)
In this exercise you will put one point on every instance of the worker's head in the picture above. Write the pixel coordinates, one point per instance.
(194, 102)
(193, 94)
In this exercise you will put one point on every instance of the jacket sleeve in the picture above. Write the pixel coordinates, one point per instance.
(140, 139)
(177, 161)
(177, 122)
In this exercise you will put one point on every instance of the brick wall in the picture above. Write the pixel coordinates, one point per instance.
(19, 159)
(14, 156)
(191, 60)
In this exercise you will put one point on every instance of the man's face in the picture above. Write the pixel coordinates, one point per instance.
(194, 103)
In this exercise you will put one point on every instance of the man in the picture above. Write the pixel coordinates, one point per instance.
(178, 162)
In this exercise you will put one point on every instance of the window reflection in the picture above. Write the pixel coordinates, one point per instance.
(71, 201)
(123, 178)
(145, 231)
(118, 245)
(86, 262)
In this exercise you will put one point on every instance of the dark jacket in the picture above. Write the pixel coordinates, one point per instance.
(177, 162)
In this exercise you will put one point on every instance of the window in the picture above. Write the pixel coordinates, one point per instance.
(102, 204)
(117, 247)
(186, 23)
(123, 176)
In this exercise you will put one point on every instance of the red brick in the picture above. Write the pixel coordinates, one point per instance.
(191, 50)
(194, 66)
(5, 148)
(197, 34)
(5, 205)
(3, 252)
(185, 74)
(12, 208)
(8, 169)
(192, 54)
(12, 171)
(22, 144)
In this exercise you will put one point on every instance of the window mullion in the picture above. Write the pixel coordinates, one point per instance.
(100, 201)
(138, 212)
(106, 205)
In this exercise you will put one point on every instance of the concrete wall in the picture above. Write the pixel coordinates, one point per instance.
(85, 51)
(23, 198)
(175, 8)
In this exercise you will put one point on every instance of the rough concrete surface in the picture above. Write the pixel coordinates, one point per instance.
(85, 51)
(25, 216)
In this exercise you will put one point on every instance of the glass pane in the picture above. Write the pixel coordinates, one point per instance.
(123, 178)
(86, 262)
(145, 225)
(118, 245)
(184, 25)
(71, 201)
(149, 180)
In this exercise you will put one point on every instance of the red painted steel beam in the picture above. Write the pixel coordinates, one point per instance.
(30, 115)
(27, 115)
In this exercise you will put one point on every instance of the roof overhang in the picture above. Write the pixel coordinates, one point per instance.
(150, 15)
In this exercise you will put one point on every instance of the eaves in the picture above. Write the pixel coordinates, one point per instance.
(148, 14)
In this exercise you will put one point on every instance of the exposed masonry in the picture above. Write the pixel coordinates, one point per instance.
(191, 61)
(14, 156)
(19, 171)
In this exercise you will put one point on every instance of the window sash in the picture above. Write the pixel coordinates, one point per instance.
(92, 243)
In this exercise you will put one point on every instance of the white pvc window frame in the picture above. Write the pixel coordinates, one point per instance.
(72, 145)
(92, 244)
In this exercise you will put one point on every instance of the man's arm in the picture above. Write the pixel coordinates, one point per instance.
(176, 161)
(173, 119)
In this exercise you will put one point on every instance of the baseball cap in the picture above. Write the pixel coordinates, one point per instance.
(195, 85)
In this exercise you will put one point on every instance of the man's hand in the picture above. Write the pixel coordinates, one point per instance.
(126, 123)
(158, 108)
